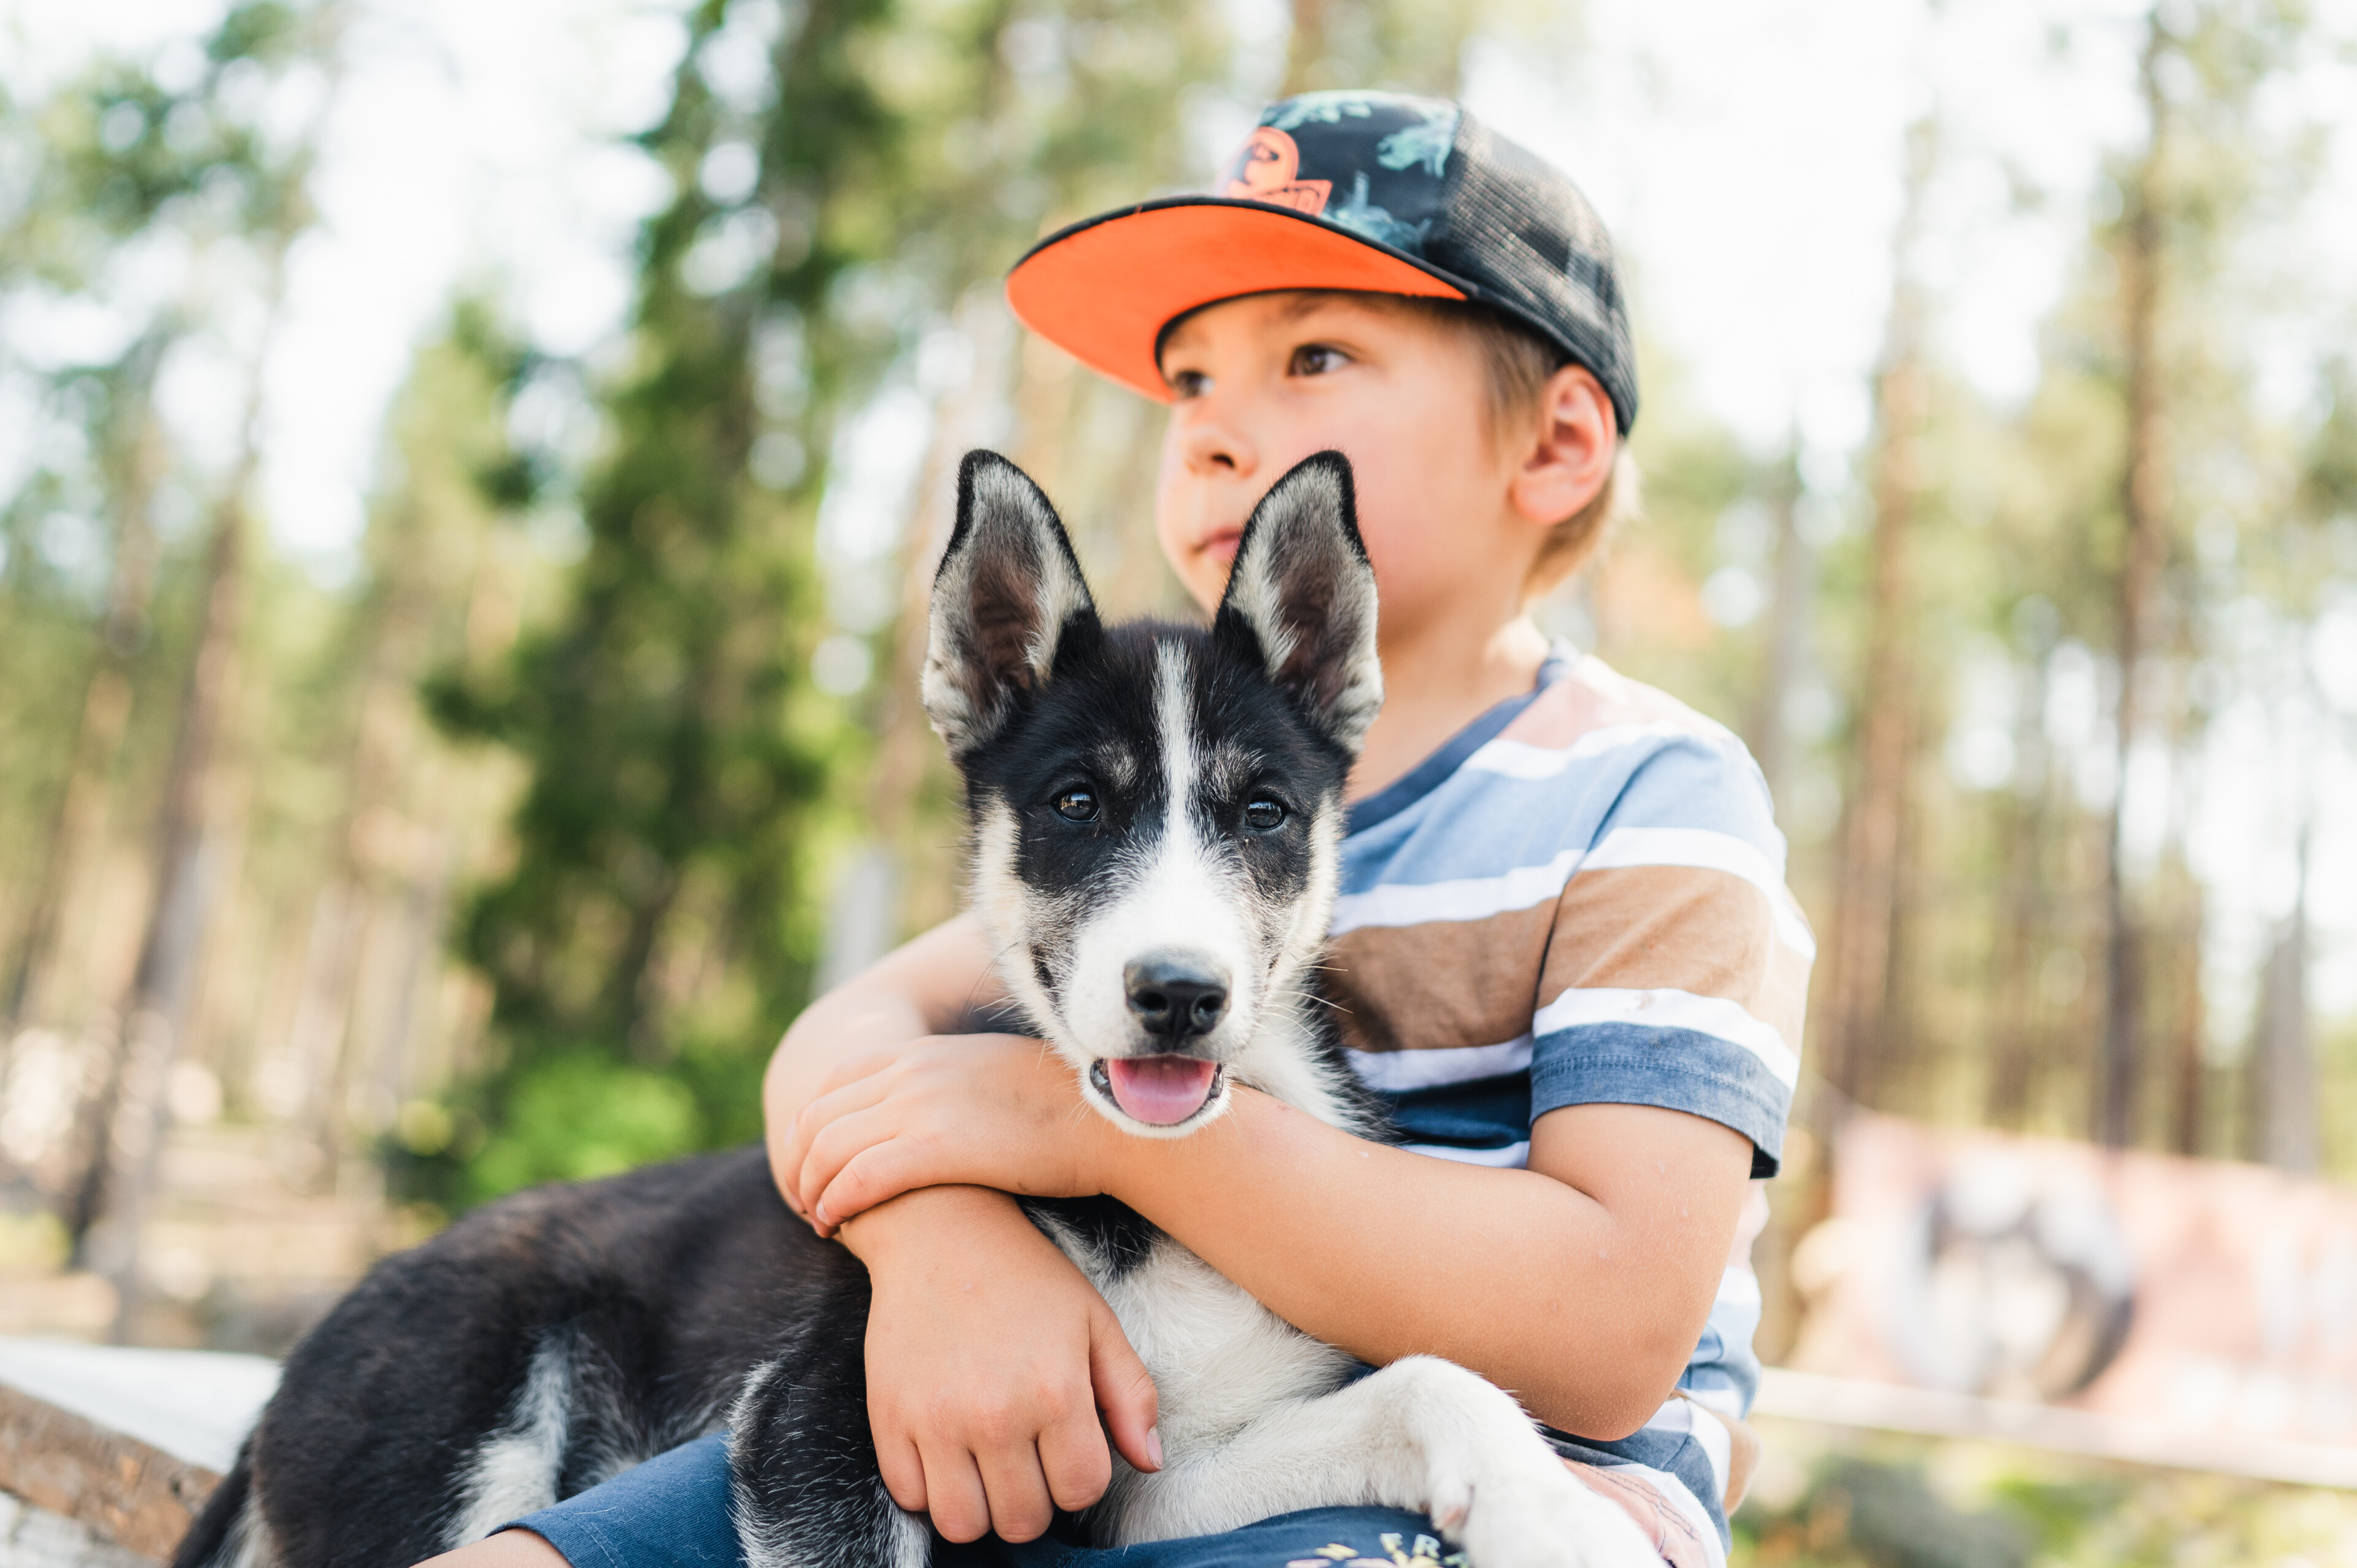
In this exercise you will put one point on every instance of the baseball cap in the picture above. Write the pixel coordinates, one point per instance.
(1374, 191)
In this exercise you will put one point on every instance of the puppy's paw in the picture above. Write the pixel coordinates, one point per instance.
(1538, 1516)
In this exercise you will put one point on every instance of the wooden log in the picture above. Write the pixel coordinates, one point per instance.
(120, 1489)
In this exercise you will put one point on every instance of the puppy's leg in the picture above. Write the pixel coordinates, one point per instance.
(1423, 1434)
(805, 1489)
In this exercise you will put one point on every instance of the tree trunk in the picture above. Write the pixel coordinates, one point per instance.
(125, 1121)
(869, 910)
(128, 1115)
(2024, 934)
(1788, 631)
(2187, 1100)
(1305, 47)
(2143, 505)
(2283, 1060)
(1860, 977)
(34, 991)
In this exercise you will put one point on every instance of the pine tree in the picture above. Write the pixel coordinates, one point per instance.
(656, 917)
(1858, 991)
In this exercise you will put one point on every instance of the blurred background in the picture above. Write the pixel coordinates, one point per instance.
(468, 476)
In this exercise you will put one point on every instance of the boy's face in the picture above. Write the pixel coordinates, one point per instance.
(1264, 380)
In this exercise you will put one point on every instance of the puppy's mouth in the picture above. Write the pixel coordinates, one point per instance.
(1161, 1090)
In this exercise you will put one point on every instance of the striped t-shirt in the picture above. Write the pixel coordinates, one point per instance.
(1580, 899)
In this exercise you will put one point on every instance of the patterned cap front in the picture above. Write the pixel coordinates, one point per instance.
(1376, 191)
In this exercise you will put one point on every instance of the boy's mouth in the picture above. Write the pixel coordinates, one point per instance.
(1221, 547)
(1159, 1091)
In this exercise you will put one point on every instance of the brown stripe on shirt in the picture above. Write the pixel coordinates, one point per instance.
(1439, 984)
(1677, 928)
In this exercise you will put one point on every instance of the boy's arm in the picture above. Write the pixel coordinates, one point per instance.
(989, 1355)
(1581, 1284)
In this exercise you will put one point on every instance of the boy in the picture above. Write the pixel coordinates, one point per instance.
(1564, 950)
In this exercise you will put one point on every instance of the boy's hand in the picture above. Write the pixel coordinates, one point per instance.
(989, 1360)
(996, 1110)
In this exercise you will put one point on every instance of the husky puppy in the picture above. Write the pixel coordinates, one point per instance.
(1156, 814)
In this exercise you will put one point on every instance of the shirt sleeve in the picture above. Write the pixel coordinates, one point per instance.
(1677, 963)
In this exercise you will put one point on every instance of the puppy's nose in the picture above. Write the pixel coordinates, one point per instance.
(1175, 996)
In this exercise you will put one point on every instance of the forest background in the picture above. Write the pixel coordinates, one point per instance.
(468, 477)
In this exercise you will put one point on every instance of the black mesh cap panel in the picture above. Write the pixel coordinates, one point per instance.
(1522, 234)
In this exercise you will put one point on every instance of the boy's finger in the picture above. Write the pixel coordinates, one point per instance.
(877, 1172)
(1073, 1457)
(1124, 1392)
(837, 1146)
(1020, 1506)
(953, 1494)
(904, 1470)
(823, 1111)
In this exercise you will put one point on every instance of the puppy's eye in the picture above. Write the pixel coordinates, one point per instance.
(1264, 815)
(1077, 805)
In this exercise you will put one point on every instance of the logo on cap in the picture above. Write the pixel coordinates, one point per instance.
(1267, 169)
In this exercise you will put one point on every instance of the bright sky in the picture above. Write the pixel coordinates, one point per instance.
(1746, 154)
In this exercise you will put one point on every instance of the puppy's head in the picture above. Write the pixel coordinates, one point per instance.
(1156, 810)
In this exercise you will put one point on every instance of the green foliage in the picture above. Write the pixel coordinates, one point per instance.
(675, 753)
(660, 914)
(573, 1118)
(112, 161)
(123, 153)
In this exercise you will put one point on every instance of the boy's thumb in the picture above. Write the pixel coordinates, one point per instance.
(1124, 1393)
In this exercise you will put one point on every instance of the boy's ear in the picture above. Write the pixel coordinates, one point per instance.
(1009, 594)
(1302, 590)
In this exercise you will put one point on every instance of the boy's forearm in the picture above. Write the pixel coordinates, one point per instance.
(1587, 1312)
(935, 1221)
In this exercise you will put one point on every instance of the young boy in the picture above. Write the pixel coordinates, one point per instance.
(1564, 951)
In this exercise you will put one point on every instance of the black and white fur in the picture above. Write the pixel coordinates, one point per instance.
(551, 1340)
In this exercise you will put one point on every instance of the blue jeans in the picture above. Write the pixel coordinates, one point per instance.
(672, 1512)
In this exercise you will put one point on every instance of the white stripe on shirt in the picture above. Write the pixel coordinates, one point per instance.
(1667, 1009)
(1520, 759)
(1480, 898)
(1394, 1072)
(1512, 1156)
(1471, 898)
(1679, 1414)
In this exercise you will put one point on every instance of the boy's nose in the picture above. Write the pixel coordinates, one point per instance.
(1214, 445)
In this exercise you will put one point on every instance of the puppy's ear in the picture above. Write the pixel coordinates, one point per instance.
(1304, 594)
(1009, 594)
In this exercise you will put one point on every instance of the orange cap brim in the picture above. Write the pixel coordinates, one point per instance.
(1102, 290)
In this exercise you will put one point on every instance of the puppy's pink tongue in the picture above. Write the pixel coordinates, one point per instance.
(1160, 1090)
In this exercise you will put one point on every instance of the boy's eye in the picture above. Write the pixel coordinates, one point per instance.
(1317, 359)
(1077, 805)
(1190, 383)
(1264, 815)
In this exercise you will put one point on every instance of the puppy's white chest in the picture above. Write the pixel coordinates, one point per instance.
(1219, 1359)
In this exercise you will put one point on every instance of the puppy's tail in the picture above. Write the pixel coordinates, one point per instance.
(230, 1533)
